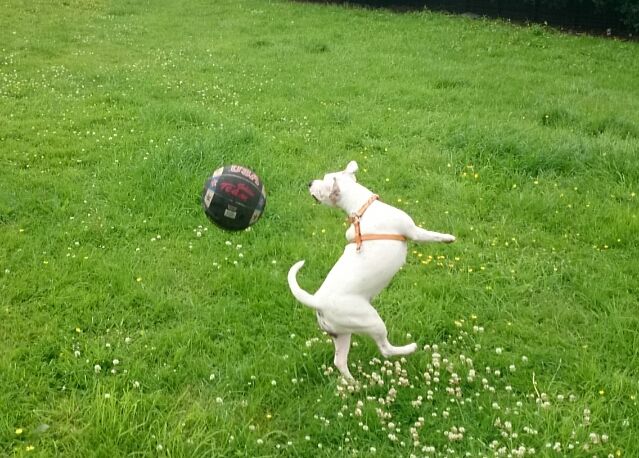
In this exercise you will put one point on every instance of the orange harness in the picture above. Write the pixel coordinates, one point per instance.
(355, 218)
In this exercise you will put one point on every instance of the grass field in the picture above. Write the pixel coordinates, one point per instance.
(130, 326)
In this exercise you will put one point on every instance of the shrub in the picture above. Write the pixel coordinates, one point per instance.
(620, 16)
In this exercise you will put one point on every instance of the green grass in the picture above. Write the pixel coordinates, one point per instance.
(126, 333)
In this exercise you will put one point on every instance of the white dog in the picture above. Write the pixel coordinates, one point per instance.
(376, 251)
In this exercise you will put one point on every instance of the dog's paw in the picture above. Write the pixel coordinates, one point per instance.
(448, 238)
(410, 348)
(348, 381)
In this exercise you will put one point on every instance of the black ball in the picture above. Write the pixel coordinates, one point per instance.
(233, 197)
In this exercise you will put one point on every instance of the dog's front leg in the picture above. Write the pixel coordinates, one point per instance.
(342, 346)
(417, 234)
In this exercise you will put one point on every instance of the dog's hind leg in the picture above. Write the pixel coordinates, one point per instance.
(342, 346)
(364, 319)
(387, 349)
(380, 335)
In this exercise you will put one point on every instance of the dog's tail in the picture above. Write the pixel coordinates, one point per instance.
(301, 295)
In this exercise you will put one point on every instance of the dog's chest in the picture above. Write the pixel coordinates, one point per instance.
(379, 218)
(350, 233)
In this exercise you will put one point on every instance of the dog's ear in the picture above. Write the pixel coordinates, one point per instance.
(351, 168)
(334, 195)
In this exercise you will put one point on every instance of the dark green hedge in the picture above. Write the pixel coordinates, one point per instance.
(628, 9)
(617, 17)
(625, 12)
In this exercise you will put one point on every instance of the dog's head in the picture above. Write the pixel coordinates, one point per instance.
(327, 190)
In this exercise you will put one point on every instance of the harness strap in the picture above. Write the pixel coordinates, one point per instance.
(364, 238)
(355, 218)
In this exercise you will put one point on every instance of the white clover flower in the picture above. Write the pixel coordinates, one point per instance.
(97, 368)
